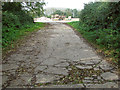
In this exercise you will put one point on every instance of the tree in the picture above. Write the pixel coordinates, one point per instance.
(35, 9)
(101, 14)
(12, 6)
(75, 13)
(68, 12)
(63, 11)
(50, 11)
(59, 12)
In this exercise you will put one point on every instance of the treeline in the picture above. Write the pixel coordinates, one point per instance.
(16, 18)
(68, 12)
(99, 24)
(101, 15)
(65, 11)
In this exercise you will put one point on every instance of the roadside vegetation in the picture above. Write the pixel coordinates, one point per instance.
(100, 25)
(17, 22)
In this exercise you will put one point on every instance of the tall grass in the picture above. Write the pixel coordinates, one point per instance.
(10, 38)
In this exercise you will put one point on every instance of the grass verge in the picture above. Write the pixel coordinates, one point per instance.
(12, 39)
(102, 40)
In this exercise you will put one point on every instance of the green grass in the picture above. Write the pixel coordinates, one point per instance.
(13, 35)
(105, 40)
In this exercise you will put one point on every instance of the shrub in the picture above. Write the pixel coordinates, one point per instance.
(10, 20)
(107, 39)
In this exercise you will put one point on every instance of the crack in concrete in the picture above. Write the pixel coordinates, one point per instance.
(61, 55)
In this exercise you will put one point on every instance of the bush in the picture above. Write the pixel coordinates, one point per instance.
(10, 20)
(9, 38)
(16, 20)
(100, 22)
(101, 15)
(12, 23)
(24, 18)
(16, 23)
(106, 39)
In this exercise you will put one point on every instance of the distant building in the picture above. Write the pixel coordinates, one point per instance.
(57, 17)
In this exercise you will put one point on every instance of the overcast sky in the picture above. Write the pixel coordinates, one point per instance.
(78, 4)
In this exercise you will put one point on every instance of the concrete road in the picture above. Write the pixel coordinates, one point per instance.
(56, 57)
